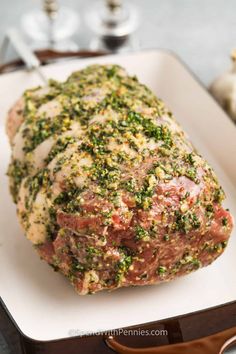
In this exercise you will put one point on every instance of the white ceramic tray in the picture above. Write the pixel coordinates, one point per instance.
(42, 303)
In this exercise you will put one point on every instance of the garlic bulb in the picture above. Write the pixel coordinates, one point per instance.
(224, 89)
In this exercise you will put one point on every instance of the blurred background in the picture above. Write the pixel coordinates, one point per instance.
(201, 32)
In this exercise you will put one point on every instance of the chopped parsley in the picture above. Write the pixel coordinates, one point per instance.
(186, 222)
(224, 221)
(69, 200)
(38, 181)
(161, 270)
(141, 233)
(17, 170)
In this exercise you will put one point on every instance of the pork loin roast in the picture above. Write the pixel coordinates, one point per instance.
(108, 188)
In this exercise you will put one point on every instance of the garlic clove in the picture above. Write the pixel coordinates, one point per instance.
(224, 89)
(231, 109)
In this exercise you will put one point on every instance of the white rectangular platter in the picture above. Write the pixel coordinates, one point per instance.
(42, 302)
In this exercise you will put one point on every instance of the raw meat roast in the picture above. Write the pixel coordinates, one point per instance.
(108, 188)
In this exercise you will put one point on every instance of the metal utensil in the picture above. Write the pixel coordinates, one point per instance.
(32, 63)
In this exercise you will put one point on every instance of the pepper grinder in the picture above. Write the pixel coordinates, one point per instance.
(52, 26)
(113, 23)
